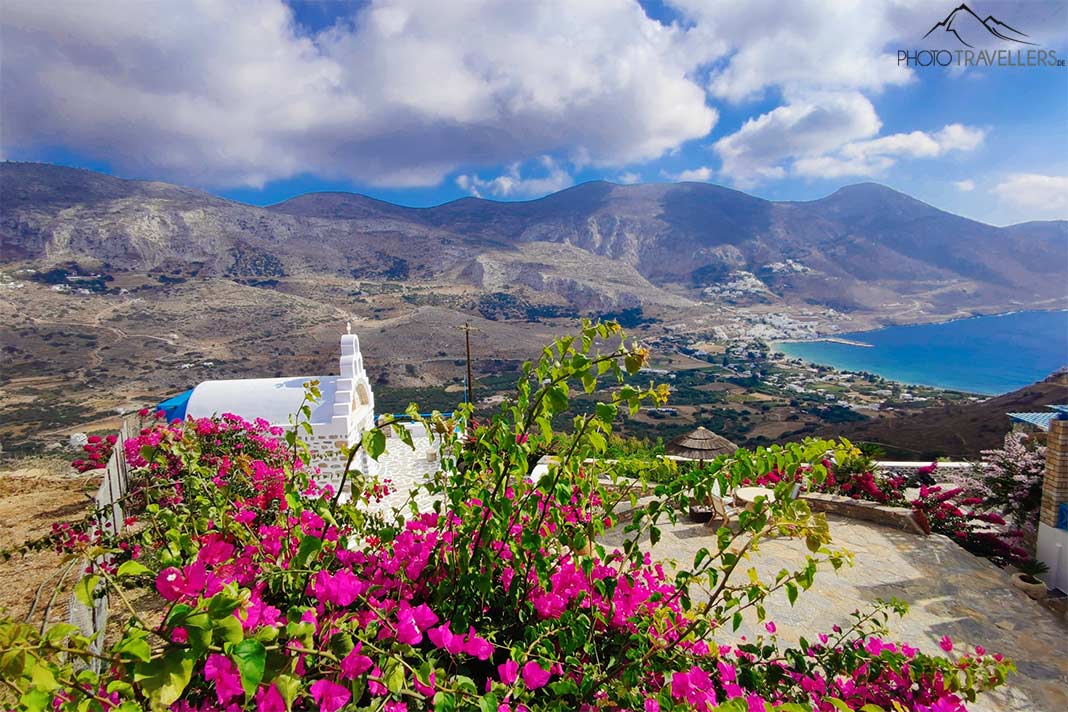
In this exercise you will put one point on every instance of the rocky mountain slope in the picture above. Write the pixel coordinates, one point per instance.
(866, 247)
(959, 431)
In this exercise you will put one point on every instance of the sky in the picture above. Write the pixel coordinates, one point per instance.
(419, 102)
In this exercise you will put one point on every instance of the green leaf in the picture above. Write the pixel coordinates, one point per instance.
(135, 646)
(251, 659)
(36, 701)
(222, 605)
(607, 412)
(42, 678)
(166, 678)
(132, 568)
(633, 362)
(228, 629)
(557, 397)
(85, 588)
(395, 679)
(374, 442)
(309, 547)
(289, 687)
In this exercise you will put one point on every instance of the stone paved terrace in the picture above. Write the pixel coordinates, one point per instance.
(950, 592)
(407, 468)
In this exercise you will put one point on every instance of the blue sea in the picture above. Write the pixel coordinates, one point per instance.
(988, 354)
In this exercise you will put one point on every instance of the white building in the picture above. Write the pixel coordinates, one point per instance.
(345, 412)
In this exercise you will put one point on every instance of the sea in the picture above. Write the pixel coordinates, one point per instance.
(987, 355)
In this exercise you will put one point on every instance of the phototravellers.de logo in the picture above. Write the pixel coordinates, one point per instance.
(963, 39)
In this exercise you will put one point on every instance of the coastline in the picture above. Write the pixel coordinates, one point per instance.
(940, 321)
(968, 359)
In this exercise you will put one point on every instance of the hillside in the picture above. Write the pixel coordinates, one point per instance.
(958, 431)
(866, 247)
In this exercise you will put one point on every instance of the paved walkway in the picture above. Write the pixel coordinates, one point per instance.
(950, 592)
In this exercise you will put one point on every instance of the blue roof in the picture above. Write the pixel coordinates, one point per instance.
(174, 407)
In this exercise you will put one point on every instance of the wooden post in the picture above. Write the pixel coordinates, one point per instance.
(467, 338)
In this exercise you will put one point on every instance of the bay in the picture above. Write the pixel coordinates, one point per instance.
(987, 355)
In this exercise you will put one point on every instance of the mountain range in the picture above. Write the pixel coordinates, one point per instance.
(597, 245)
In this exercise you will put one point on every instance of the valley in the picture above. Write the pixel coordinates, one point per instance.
(117, 294)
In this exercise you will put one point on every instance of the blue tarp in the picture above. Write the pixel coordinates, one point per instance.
(174, 407)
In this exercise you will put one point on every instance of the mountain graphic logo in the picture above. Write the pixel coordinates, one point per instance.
(965, 25)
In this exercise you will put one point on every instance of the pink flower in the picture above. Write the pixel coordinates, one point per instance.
(269, 699)
(946, 644)
(652, 705)
(222, 671)
(980, 650)
(340, 588)
(214, 550)
(180, 636)
(534, 675)
(329, 695)
(442, 637)
(170, 584)
(374, 684)
(770, 626)
(478, 646)
(694, 686)
(355, 664)
(425, 690)
(508, 671)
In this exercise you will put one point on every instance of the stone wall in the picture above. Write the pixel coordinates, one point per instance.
(896, 517)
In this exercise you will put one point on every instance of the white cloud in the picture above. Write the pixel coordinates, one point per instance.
(702, 174)
(809, 126)
(513, 185)
(816, 44)
(868, 158)
(628, 178)
(1037, 196)
(965, 186)
(402, 94)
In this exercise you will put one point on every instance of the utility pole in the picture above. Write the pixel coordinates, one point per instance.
(469, 385)
(467, 338)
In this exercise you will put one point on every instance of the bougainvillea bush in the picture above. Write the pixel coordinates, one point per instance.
(275, 593)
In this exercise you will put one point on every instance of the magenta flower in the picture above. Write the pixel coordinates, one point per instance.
(478, 646)
(534, 675)
(341, 588)
(214, 550)
(508, 671)
(329, 695)
(269, 699)
(946, 644)
(222, 671)
(407, 630)
(355, 664)
(770, 626)
(170, 583)
(442, 637)
(425, 690)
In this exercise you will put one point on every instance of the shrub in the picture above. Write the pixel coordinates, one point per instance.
(276, 595)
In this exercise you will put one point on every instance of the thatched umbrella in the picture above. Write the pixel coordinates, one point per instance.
(701, 444)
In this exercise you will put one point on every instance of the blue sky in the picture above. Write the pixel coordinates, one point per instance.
(420, 102)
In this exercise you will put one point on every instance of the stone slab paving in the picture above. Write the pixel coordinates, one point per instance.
(406, 469)
(949, 591)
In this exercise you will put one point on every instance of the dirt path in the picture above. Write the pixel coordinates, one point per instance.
(33, 495)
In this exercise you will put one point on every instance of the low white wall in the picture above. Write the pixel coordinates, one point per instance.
(1053, 552)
